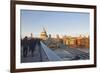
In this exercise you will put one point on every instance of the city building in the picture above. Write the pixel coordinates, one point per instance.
(43, 34)
(76, 42)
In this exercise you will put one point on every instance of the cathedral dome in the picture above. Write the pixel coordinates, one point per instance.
(43, 35)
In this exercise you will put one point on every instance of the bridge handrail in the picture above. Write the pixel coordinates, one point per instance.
(50, 54)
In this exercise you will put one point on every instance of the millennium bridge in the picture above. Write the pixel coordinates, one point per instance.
(42, 53)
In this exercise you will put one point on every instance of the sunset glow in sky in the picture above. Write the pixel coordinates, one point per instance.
(62, 23)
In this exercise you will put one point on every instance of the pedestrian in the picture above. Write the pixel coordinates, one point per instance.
(25, 45)
(32, 44)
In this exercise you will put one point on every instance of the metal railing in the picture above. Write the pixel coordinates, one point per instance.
(52, 56)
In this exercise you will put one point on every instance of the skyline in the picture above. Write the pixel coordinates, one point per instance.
(62, 23)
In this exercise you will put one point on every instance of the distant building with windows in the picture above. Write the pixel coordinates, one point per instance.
(76, 42)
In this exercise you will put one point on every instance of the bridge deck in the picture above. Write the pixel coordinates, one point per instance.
(42, 54)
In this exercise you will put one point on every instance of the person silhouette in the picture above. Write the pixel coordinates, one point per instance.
(32, 44)
(25, 45)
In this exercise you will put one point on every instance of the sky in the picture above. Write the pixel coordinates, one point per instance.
(60, 22)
